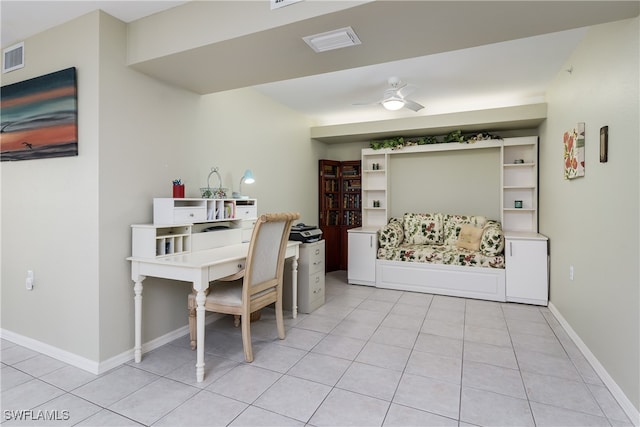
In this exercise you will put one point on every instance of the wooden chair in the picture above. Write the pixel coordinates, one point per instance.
(257, 285)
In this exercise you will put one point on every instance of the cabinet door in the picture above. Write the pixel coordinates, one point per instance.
(362, 258)
(526, 271)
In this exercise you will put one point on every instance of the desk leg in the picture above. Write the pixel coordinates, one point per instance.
(200, 314)
(137, 302)
(294, 284)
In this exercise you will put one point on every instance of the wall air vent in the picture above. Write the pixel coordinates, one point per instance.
(13, 57)
(336, 39)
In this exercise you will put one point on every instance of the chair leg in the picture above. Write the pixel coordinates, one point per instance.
(279, 319)
(192, 325)
(236, 320)
(246, 338)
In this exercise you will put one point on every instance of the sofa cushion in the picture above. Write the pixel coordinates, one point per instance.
(391, 234)
(440, 254)
(422, 229)
(469, 237)
(492, 242)
(452, 224)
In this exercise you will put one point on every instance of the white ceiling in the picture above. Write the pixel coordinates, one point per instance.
(494, 75)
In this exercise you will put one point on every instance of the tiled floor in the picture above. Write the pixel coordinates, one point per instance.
(368, 357)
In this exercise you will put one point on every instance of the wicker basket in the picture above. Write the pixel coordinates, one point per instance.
(255, 315)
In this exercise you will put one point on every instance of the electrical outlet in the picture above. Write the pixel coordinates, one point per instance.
(29, 281)
(571, 272)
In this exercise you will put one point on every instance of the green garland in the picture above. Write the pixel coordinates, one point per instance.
(454, 136)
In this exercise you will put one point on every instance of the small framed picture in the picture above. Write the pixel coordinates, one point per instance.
(604, 144)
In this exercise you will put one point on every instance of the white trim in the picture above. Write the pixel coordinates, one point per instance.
(90, 365)
(51, 351)
(616, 391)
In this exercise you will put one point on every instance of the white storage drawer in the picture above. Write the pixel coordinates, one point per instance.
(189, 214)
(246, 212)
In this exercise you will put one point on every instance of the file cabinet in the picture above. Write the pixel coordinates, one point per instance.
(310, 278)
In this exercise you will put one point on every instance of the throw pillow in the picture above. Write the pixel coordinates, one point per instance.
(492, 243)
(469, 237)
(452, 224)
(423, 228)
(391, 235)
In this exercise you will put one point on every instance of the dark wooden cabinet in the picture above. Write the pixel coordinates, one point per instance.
(340, 198)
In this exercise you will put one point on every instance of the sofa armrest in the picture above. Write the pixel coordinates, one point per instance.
(492, 242)
(391, 235)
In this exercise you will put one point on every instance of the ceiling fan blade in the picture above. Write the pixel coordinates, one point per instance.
(412, 105)
(406, 90)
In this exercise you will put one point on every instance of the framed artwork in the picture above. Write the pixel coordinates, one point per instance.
(573, 141)
(39, 117)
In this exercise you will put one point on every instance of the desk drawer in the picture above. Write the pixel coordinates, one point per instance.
(189, 214)
(246, 212)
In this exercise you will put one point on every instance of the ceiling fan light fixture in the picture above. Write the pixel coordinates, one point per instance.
(393, 104)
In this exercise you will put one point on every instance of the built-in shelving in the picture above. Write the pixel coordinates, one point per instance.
(374, 188)
(520, 184)
(150, 241)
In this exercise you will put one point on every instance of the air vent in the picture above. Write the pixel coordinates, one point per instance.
(336, 39)
(13, 57)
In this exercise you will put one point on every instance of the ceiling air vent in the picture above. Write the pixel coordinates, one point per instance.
(335, 39)
(13, 57)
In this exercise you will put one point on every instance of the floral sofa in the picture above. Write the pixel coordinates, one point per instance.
(436, 238)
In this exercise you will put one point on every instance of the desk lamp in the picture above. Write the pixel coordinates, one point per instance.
(247, 178)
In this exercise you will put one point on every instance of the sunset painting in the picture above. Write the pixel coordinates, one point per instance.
(38, 117)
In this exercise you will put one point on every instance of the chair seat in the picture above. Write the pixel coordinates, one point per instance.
(229, 293)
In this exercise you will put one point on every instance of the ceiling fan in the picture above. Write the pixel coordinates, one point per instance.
(395, 97)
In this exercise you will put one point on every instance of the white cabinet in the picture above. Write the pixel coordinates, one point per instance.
(310, 278)
(520, 184)
(363, 246)
(527, 268)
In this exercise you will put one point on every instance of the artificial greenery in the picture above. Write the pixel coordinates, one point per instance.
(454, 136)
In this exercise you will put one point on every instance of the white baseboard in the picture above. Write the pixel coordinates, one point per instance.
(616, 391)
(51, 351)
(91, 365)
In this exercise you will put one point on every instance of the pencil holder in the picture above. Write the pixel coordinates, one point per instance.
(178, 191)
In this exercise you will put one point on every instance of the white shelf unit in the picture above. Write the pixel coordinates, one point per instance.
(375, 193)
(184, 225)
(520, 183)
(179, 211)
(149, 241)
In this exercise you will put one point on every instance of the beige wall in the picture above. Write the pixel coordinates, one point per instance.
(465, 182)
(143, 126)
(592, 222)
(50, 209)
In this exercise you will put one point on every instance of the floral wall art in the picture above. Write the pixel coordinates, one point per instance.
(39, 117)
(574, 152)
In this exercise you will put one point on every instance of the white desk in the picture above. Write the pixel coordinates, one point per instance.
(199, 268)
